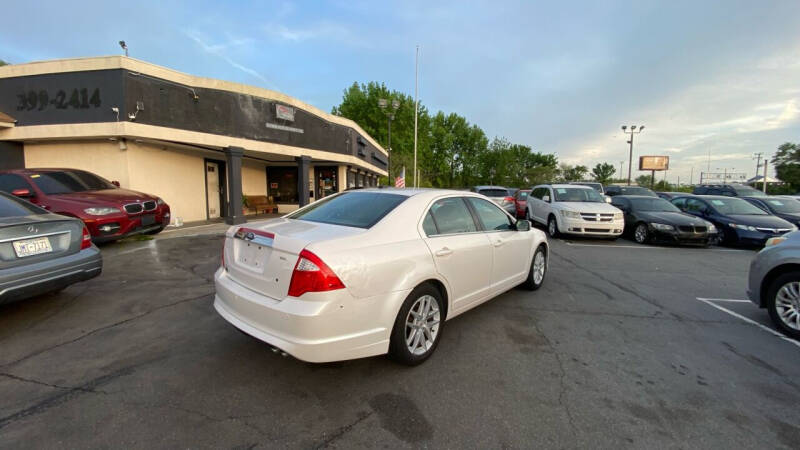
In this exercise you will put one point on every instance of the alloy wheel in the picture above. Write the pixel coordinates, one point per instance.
(787, 304)
(422, 325)
(641, 233)
(539, 266)
(552, 227)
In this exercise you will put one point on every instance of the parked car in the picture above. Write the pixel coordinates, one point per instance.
(497, 194)
(786, 208)
(649, 219)
(728, 190)
(737, 220)
(41, 252)
(671, 195)
(367, 272)
(520, 203)
(774, 282)
(629, 190)
(572, 209)
(596, 186)
(109, 212)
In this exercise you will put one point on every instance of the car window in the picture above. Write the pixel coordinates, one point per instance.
(10, 182)
(494, 192)
(429, 225)
(735, 205)
(695, 205)
(492, 218)
(618, 202)
(783, 206)
(679, 202)
(578, 195)
(11, 206)
(522, 195)
(63, 182)
(350, 209)
(452, 216)
(654, 204)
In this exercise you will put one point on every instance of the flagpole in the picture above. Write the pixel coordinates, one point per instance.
(416, 112)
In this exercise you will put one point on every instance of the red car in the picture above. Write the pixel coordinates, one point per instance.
(521, 202)
(109, 212)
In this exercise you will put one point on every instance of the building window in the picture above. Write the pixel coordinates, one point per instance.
(351, 179)
(283, 184)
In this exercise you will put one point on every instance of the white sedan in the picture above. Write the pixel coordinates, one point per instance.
(373, 271)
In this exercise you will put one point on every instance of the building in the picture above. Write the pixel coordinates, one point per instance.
(198, 143)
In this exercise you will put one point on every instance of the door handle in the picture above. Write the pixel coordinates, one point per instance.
(499, 242)
(443, 252)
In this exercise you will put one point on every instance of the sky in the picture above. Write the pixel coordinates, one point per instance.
(708, 79)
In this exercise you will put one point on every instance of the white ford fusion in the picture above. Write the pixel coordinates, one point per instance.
(374, 271)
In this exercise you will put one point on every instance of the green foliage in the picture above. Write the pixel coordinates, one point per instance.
(3, 63)
(603, 172)
(568, 173)
(451, 152)
(787, 164)
(644, 180)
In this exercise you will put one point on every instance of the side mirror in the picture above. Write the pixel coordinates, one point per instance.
(115, 183)
(546, 198)
(22, 193)
(523, 225)
(608, 199)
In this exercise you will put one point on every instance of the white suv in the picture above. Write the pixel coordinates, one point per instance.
(573, 209)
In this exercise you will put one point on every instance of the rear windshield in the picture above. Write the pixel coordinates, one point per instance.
(637, 191)
(783, 206)
(351, 209)
(14, 207)
(523, 195)
(744, 191)
(494, 192)
(653, 204)
(69, 181)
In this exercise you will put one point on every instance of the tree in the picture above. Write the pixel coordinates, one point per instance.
(787, 164)
(602, 173)
(572, 173)
(3, 63)
(644, 180)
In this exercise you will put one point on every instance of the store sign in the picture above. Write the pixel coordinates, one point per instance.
(284, 112)
(654, 163)
(722, 177)
(275, 126)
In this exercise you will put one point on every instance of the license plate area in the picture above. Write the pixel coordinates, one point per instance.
(253, 255)
(31, 247)
(148, 220)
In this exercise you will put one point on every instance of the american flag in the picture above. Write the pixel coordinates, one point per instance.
(400, 182)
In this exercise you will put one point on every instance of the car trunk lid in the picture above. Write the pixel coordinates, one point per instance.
(30, 239)
(262, 256)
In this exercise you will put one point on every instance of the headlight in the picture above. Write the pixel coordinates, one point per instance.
(662, 227)
(711, 228)
(774, 241)
(742, 227)
(159, 201)
(570, 214)
(101, 211)
(618, 216)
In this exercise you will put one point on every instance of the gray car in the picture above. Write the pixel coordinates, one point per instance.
(40, 251)
(499, 195)
(774, 282)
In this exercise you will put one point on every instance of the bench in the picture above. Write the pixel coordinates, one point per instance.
(260, 203)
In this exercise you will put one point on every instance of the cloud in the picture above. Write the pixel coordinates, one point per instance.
(220, 50)
(321, 31)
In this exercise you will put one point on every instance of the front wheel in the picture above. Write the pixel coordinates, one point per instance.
(418, 326)
(552, 227)
(641, 233)
(538, 269)
(783, 303)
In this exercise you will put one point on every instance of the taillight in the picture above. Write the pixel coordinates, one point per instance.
(86, 240)
(508, 200)
(312, 275)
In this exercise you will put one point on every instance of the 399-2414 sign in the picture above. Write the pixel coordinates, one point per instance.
(76, 99)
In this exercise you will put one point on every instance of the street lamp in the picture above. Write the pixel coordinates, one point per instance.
(390, 112)
(630, 154)
(124, 47)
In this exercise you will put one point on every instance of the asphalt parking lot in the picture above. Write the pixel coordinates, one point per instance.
(615, 350)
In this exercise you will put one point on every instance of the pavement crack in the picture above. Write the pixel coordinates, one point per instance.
(103, 328)
(341, 431)
(55, 386)
(561, 380)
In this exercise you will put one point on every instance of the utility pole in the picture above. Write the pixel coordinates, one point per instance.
(620, 167)
(630, 153)
(766, 161)
(691, 176)
(757, 157)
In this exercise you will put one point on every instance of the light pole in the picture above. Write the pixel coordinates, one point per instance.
(630, 154)
(384, 105)
(124, 47)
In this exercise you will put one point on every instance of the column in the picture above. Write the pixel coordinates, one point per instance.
(233, 161)
(303, 165)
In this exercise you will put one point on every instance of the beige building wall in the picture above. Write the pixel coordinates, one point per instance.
(254, 177)
(101, 157)
(342, 177)
(177, 177)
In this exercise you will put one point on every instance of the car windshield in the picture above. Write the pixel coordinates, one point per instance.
(523, 195)
(596, 186)
(351, 209)
(635, 190)
(577, 195)
(494, 192)
(782, 205)
(738, 206)
(653, 205)
(13, 207)
(64, 182)
(744, 191)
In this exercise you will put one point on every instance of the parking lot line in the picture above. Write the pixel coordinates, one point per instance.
(753, 322)
(729, 300)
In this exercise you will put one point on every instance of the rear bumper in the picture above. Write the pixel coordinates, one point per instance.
(318, 327)
(35, 279)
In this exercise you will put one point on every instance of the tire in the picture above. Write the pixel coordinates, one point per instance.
(399, 348)
(781, 302)
(640, 234)
(536, 274)
(552, 227)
